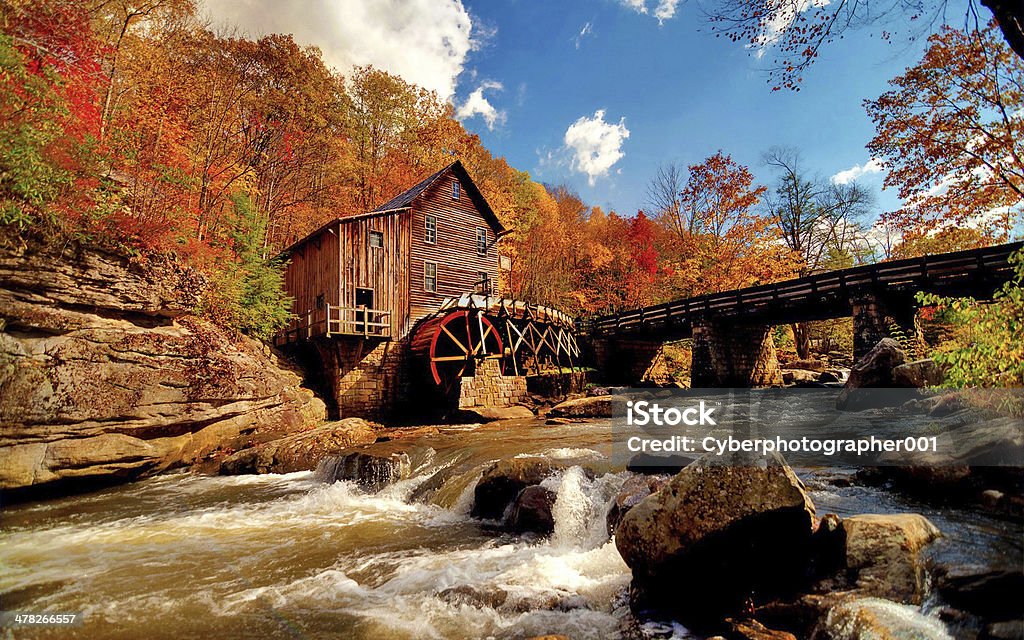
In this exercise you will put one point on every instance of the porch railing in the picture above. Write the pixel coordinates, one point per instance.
(332, 320)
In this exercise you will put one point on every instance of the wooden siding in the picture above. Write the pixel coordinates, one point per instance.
(455, 254)
(383, 269)
(313, 270)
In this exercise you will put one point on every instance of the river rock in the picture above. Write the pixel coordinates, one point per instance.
(302, 451)
(753, 630)
(882, 551)
(715, 534)
(491, 414)
(1007, 630)
(483, 596)
(500, 484)
(919, 374)
(106, 377)
(878, 619)
(873, 371)
(796, 376)
(993, 594)
(634, 489)
(531, 511)
(587, 407)
(834, 375)
(371, 470)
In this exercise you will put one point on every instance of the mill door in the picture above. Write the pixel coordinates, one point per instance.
(364, 298)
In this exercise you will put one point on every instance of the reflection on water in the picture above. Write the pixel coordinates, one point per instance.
(284, 556)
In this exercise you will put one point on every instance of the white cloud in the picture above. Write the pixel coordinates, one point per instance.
(426, 42)
(847, 176)
(478, 105)
(664, 10)
(639, 6)
(595, 145)
(584, 32)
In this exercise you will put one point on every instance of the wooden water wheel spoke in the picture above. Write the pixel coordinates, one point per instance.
(454, 339)
(452, 344)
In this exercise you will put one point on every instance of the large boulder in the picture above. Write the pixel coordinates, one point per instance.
(500, 484)
(715, 534)
(918, 374)
(105, 377)
(302, 451)
(883, 554)
(587, 407)
(872, 372)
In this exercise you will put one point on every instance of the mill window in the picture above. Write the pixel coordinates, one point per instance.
(430, 276)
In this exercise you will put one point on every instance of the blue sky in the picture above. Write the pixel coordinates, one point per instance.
(683, 94)
(521, 73)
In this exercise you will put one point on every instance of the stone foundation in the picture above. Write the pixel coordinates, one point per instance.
(366, 376)
(726, 355)
(488, 388)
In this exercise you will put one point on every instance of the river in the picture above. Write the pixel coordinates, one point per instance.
(287, 556)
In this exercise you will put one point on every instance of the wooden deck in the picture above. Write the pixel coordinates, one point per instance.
(335, 321)
(977, 272)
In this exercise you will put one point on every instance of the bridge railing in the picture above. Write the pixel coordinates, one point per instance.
(935, 272)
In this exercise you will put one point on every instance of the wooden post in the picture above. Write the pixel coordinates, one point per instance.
(327, 325)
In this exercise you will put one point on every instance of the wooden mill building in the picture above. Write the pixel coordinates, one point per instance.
(361, 282)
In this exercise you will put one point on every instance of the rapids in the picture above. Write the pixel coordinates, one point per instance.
(287, 556)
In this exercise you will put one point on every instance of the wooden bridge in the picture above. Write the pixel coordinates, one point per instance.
(879, 297)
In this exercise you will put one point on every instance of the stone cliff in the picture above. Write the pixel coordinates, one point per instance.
(105, 376)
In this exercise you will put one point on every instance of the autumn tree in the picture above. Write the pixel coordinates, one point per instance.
(50, 81)
(951, 135)
(798, 29)
(716, 239)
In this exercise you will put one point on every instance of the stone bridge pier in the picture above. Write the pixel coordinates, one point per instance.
(877, 316)
(626, 361)
(727, 354)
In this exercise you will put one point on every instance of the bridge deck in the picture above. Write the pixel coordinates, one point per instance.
(976, 272)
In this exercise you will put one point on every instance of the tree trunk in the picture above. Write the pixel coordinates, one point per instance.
(802, 339)
(1010, 16)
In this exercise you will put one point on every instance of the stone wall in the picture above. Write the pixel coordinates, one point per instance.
(488, 388)
(366, 377)
(727, 355)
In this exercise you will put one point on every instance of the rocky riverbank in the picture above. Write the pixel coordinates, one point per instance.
(107, 376)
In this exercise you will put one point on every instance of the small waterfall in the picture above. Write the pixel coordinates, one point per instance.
(581, 507)
(866, 617)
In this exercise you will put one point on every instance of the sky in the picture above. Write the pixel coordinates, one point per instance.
(597, 94)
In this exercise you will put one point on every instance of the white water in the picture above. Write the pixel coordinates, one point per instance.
(285, 556)
(285, 553)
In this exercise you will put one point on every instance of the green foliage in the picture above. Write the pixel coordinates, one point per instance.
(248, 294)
(29, 122)
(984, 347)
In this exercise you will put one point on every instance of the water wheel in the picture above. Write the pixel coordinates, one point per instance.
(452, 343)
